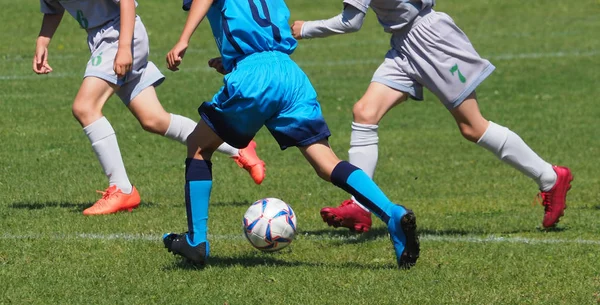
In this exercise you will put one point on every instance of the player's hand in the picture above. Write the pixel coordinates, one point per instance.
(217, 64)
(175, 56)
(40, 60)
(123, 62)
(297, 29)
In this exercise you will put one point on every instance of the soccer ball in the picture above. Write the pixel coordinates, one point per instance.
(269, 224)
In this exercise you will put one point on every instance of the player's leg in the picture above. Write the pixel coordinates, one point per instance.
(553, 181)
(448, 65)
(148, 110)
(100, 81)
(401, 222)
(193, 245)
(299, 122)
(87, 109)
(223, 119)
(390, 86)
(368, 112)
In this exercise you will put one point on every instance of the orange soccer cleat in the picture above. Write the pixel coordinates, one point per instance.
(248, 160)
(113, 200)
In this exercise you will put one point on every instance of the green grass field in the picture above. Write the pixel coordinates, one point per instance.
(481, 242)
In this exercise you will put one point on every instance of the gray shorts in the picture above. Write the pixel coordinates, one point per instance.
(104, 42)
(434, 53)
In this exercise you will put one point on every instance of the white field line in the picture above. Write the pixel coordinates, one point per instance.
(425, 238)
(330, 63)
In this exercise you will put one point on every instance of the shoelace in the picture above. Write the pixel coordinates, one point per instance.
(105, 195)
(244, 162)
(346, 202)
(544, 198)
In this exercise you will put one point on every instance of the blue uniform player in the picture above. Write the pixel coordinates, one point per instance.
(263, 86)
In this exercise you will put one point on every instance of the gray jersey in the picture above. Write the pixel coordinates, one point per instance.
(393, 14)
(89, 13)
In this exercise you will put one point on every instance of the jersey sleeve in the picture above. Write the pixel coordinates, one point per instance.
(349, 21)
(362, 5)
(51, 7)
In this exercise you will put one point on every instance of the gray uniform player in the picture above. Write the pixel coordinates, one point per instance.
(119, 64)
(427, 50)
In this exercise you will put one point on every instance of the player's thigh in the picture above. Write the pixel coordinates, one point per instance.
(149, 112)
(376, 102)
(440, 56)
(299, 122)
(321, 157)
(234, 118)
(91, 97)
(471, 123)
(202, 142)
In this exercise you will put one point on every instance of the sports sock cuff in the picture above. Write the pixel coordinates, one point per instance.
(180, 128)
(172, 126)
(98, 130)
(494, 137)
(341, 172)
(363, 134)
(197, 170)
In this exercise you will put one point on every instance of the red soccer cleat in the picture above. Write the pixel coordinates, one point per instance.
(113, 200)
(554, 200)
(248, 160)
(349, 215)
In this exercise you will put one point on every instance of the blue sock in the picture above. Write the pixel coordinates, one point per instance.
(354, 181)
(198, 183)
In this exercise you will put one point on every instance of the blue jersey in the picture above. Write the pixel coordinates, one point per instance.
(243, 27)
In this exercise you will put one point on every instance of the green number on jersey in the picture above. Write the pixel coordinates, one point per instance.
(97, 60)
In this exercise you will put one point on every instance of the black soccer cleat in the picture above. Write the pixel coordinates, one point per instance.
(403, 234)
(178, 245)
(413, 248)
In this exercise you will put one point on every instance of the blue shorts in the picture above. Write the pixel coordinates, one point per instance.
(266, 88)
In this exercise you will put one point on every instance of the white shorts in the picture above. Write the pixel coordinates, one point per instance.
(433, 53)
(104, 43)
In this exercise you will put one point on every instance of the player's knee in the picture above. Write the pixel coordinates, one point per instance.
(469, 132)
(155, 125)
(365, 114)
(84, 113)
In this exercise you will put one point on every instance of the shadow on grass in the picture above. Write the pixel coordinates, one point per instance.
(343, 236)
(73, 206)
(251, 261)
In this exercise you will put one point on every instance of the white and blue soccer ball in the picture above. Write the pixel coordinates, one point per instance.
(269, 224)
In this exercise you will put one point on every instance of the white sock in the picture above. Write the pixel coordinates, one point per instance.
(228, 150)
(104, 142)
(364, 150)
(181, 127)
(510, 148)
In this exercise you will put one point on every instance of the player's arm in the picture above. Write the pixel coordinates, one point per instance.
(349, 21)
(124, 58)
(49, 25)
(198, 11)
